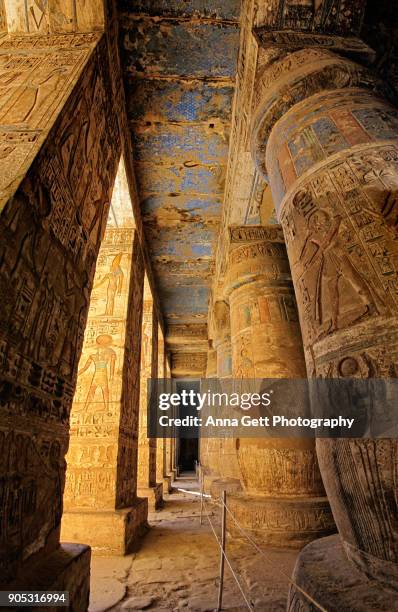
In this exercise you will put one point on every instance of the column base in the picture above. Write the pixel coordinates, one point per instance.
(171, 476)
(66, 569)
(324, 572)
(230, 485)
(167, 488)
(281, 522)
(154, 496)
(108, 532)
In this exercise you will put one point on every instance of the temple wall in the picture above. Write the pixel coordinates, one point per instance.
(51, 228)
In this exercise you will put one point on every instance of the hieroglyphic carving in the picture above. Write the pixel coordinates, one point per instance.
(258, 250)
(50, 233)
(335, 126)
(262, 302)
(339, 218)
(292, 40)
(292, 80)
(286, 520)
(104, 418)
(323, 16)
(266, 343)
(149, 369)
(161, 442)
(54, 16)
(345, 258)
(36, 77)
(195, 334)
(188, 362)
(193, 330)
(252, 233)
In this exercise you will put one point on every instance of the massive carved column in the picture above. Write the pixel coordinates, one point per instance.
(100, 500)
(169, 441)
(210, 447)
(57, 173)
(161, 443)
(230, 476)
(147, 485)
(283, 501)
(329, 147)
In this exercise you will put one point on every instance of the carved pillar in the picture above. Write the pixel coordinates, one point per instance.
(230, 476)
(161, 443)
(170, 442)
(329, 146)
(100, 500)
(54, 200)
(222, 339)
(147, 485)
(283, 501)
(210, 447)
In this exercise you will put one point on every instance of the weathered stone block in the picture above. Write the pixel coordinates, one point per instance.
(324, 572)
(154, 495)
(66, 569)
(109, 532)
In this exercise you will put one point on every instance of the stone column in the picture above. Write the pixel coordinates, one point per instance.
(54, 201)
(230, 476)
(329, 147)
(100, 500)
(170, 442)
(284, 501)
(210, 447)
(147, 485)
(161, 474)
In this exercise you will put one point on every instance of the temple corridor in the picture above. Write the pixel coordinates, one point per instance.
(199, 198)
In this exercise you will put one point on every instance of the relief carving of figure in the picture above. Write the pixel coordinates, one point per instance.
(324, 256)
(114, 278)
(104, 360)
(34, 97)
(146, 351)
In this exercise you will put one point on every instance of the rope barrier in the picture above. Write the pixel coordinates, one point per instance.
(249, 606)
(253, 543)
(261, 552)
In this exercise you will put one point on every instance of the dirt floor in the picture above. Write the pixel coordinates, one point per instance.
(177, 566)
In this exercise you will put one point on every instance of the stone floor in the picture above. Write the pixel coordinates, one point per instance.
(177, 566)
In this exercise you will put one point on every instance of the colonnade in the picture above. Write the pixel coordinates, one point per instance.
(325, 140)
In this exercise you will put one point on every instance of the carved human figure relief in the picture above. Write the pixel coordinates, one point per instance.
(103, 360)
(114, 279)
(324, 256)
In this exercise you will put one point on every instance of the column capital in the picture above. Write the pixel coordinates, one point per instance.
(256, 253)
(324, 24)
(293, 78)
(333, 17)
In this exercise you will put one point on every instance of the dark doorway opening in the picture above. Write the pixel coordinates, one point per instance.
(188, 454)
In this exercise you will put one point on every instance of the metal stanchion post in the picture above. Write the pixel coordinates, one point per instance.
(222, 559)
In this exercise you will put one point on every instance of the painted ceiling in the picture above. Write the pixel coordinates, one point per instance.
(179, 61)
